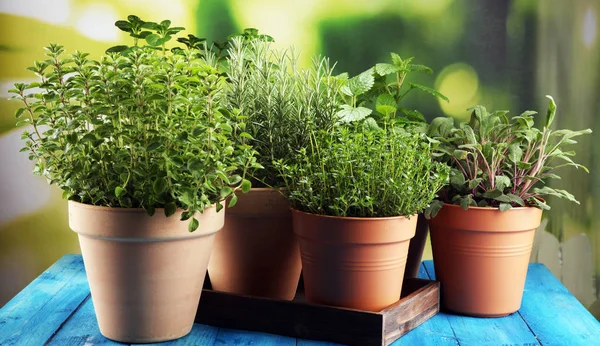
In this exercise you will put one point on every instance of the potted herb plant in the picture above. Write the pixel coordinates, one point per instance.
(138, 141)
(257, 253)
(391, 85)
(355, 191)
(483, 223)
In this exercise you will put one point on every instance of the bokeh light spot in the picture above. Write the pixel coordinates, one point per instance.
(97, 20)
(589, 28)
(460, 83)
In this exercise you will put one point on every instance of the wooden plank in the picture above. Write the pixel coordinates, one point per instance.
(554, 314)
(302, 342)
(578, 268)
(200, 335)
(81, 329)
(434, 332)
(235, 337)
(509, 330)
(316, 322)
(39, 310)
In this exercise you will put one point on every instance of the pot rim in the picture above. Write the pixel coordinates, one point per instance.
(382, 218)
(493, 208)
(123, 209)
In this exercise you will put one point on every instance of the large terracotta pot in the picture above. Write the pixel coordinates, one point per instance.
(353, 262)
(481, 257)
(145, 273)
(416, 248)
(256, 253)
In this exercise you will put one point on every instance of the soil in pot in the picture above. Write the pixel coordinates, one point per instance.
(353, 262)
(145, 273)
(256, 253)
(481, 257)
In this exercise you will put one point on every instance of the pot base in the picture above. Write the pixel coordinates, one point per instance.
(454, 312)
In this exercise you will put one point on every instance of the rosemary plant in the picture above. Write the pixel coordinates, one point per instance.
(283, 103)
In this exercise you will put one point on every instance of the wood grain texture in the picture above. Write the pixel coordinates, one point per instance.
(554, 314)
(227, 337)
(81, 329)
(509, 330)
(200, 335)
(306, 321)
(33, 316)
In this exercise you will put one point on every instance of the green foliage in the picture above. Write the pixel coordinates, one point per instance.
(378, 92)
(283, 103)
(359, 172)
(143, 128)
(502, 162)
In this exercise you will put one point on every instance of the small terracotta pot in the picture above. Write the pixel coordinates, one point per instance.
(416, 248)
(256, 253)
(353, 262)
(145, 273)
(481, 257)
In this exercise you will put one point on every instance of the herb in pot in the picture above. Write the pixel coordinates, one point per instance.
(283, 103)
(142, 126)
(501, 162)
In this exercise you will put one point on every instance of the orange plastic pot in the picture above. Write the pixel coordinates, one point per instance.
(351, 262)
(145, 273)
(256, 253)
(481, 257)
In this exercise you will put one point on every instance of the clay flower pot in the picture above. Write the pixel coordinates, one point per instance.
(256, 253)
(416, 248)
(145, 273)
(353, 262)
(481, 257)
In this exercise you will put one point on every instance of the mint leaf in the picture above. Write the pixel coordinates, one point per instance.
(350, 114)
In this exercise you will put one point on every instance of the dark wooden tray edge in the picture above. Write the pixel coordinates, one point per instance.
(302, 320)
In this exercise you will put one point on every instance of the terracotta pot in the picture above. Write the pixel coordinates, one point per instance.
(353, 262)
(416, 248)
(256, 253)
(145, 273)
(481, 257)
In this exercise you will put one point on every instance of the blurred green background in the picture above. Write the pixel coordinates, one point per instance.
(503, 54)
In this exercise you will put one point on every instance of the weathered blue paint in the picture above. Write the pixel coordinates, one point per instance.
(554, 314)
(509, 330)
(56, 309)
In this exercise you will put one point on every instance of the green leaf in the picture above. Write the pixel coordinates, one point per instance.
(186, 198)
(117, 49)
(505, 206)
(153, 146)
(465, 202)
(420, 68)
(123, 25)
(492, 194)
(397, 60)
(510, 198)
(360, 84)
(154, 40)
(461, 154)
(232, 201)
(515, 153)
(385, 69)
(551, 111)
(246, 185)
(429, 90)
(225, 192)
(458, 181)
(193, 225)
(194, 164)
(386, 104)
(159, 185)
(434, 207)
(119, 191)
(170, 209)
(371, 125)
(502, 182)
(349, 114)
(19, 112)
(23, 122)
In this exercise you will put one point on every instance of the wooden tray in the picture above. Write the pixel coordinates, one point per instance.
(298, 319)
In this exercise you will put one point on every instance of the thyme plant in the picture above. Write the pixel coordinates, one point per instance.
(283, 103)
(141, 126)
(502, 162)
(352, 171)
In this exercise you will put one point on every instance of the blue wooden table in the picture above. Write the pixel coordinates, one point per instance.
(56, 309)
